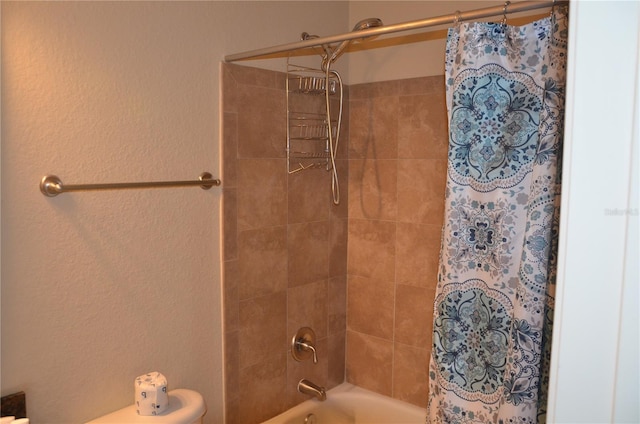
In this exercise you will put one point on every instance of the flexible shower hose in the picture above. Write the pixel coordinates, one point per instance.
(333, 143)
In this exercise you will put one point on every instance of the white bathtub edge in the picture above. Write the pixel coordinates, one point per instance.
(333, 396)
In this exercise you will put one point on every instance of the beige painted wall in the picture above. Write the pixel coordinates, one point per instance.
(98, 288)
(421, 52)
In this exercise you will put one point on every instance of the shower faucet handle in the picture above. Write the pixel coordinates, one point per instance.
(307, 346)
(302, 345)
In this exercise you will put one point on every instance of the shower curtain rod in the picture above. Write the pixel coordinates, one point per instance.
(505, 9)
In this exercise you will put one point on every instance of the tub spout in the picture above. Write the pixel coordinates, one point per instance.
(308, 388)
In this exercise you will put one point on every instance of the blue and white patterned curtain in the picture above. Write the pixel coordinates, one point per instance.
(494, 301)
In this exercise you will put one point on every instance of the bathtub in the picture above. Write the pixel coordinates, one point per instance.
(349, 404)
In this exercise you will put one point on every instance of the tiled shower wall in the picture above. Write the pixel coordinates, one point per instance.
(397, 173)
(286, 262)
(284, 254)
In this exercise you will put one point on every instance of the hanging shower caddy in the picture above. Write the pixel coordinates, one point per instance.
(308, 123)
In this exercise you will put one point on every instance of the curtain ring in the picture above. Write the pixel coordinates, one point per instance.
(504, 12)
(456, 19)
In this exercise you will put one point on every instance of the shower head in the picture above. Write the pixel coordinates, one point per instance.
(360, 26)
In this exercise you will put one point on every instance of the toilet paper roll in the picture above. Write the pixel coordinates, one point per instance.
(151, 394)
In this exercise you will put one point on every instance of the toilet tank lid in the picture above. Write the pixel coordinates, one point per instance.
(185, 407)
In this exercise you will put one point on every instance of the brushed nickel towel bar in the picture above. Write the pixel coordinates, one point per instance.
(458, 16)
(51, 186)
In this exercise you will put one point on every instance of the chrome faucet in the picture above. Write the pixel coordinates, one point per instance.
(302, 345)
(308, 388)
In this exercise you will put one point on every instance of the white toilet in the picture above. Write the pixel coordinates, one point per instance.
(185, 407)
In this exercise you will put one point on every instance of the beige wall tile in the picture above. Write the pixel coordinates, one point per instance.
(414, 245)
(230, 295)
(230, 149)
(433, 85)
(370, 304)
(371, 250)
(272, 219)
(336, 368)
(343, 141)
(418, 250)
(263, 390)
(230, 227)
(262, 261)
(374, 89)
(308, 194)
(421, 185)
(262, 193)
(261, 122)
(231, 365)
(413, 316)
(232, 410)
(337, 305)
(385, 234)
(307, 307)
(263, 328)
(247, 75)
(373, 189)
(422, 131)
(338, 247)
(373, 128)
(229, 89)
(369, 363)
(308, 247)
(410, 375)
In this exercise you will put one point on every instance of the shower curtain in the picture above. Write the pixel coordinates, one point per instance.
(494, 300)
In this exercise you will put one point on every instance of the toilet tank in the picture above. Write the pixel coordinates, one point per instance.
(185, 407)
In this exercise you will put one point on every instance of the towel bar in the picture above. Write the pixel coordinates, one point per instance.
(51, 185)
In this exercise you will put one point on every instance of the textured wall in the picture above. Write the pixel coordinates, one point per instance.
(411, 54)
(98, 288)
